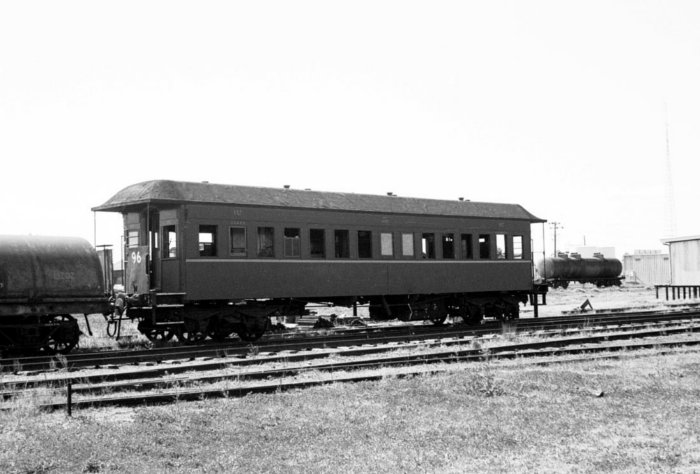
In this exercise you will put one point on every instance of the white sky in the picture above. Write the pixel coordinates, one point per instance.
(558, 106)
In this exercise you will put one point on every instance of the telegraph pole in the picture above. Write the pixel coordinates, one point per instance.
(555, 225)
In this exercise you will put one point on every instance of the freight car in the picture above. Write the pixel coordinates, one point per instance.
(43, 282)
(212, 260)
(560, 271)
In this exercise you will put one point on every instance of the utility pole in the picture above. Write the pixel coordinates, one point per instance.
(555, 225)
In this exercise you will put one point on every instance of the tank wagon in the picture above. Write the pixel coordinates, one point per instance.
(43, 282)
(212, 260)
(560, 271)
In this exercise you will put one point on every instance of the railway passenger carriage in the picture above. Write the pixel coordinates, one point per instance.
(208, 259)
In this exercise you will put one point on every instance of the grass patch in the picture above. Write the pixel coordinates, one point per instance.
(489, 417)
(129, 338)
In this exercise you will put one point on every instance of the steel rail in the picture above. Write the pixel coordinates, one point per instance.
(224, 362)
(186, 394)
(137, 380)
(400, 334)
(435, 357)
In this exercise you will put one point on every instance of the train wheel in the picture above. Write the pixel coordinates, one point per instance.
(250, 336)
(63, 336)
(219, 335)
(472, 315)
(158, 334)
(191, 333)
(438, 319)
(435, 311)
(219, 328)
(191, 337)
(251, 329)
(512, 311)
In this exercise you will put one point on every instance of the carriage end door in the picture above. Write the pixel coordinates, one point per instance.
(171, 252)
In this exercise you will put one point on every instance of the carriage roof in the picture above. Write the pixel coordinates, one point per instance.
(164, 192)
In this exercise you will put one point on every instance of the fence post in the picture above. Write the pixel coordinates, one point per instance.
(69, 401)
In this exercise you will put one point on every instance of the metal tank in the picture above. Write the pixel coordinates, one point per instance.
(49, 275)
(43, 282)
(554, 268)
(598, 270)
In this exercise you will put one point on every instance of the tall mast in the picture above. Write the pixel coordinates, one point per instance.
(670, 215)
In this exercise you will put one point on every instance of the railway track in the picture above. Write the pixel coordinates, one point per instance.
(324, 339)
(162, 379)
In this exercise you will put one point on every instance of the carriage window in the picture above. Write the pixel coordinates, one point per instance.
(133, 238)
(317, 243)
(342, 244)
(484, 246)
(239, 242)
(387, 244)
(518, 247)
(364, 244)
(207, 240)
(467, 248)
(448, 246)
(501, 246)
(428, 245)
(266, 242)
(292, 242)
(169, 241)
(407, 245)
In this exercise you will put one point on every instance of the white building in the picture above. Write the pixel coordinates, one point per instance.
(684, 253)
(648, 267)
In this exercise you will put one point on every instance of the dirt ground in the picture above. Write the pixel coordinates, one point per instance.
(564, 301)
(561, 301)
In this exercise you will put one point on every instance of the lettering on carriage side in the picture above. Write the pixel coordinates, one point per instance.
(136, 257)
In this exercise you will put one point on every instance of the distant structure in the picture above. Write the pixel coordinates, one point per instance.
(647, 267)
(590, 251)
(684, 253)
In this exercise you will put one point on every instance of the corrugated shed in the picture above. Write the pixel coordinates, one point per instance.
(647, 269)
(162, 191)
(685, 261)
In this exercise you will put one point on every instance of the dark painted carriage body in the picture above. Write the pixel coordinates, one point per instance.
(192, 251)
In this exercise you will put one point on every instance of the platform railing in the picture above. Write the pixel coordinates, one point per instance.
(679, 291)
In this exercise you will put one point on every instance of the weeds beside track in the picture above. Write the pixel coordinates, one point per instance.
(329, 338)
(166, 387)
